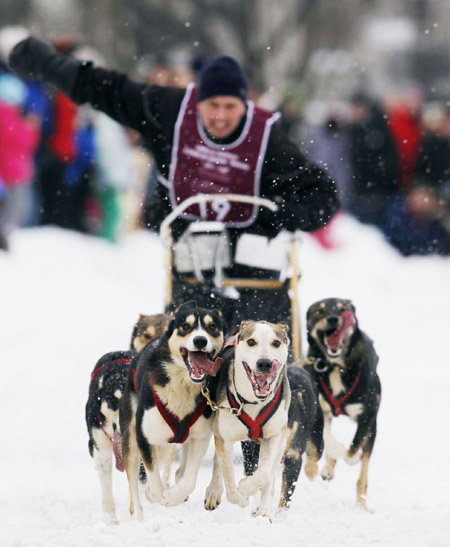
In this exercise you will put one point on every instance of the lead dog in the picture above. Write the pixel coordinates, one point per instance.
(102, 407)
(252, 397)
(342, 361)
(163, 404)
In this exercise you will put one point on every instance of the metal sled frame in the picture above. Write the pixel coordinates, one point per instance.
(238, 283)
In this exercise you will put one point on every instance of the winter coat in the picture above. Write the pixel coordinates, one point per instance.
(19, 140)
(306, 195)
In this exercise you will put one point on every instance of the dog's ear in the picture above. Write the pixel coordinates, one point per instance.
(351, 306)
(283, 326)
(170, 328)
(219, 313)
(190, 305)
(242, 327)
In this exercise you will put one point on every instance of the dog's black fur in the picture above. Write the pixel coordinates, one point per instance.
(342, 360)
(105, 391)
(110, 373)
(305, 423)
(153, 369)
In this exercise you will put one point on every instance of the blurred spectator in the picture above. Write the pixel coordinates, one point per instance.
(329, 148)
(114, 172)
(420, 222)
(404, 121)
(373, 161)
(3, 241)
(58, 150)
(19, 138)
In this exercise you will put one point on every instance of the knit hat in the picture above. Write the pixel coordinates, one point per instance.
(222, 76)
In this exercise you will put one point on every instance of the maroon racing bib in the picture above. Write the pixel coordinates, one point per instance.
(200, 166)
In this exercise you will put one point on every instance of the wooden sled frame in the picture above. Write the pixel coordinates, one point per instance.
(238, 283)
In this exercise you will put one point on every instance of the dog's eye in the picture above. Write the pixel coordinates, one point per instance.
(147, 336)
(276, 343)
(212, 327)
(185, 326)
(251, 342)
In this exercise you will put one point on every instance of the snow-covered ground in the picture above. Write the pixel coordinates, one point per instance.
(65, 299)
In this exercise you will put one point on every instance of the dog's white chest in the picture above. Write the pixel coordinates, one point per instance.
(233, 428)
(336, 385)
(157, 431)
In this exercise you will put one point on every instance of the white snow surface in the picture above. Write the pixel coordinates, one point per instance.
(67, 298)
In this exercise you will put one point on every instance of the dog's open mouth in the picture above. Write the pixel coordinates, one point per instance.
(262, 381)
(200, 363)
(334, 339)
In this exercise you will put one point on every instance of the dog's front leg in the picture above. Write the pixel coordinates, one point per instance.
(196, 449)
(266, 506)
(269, 457)
(213, 494)
(333, 448)
(224, 451)
(362, 436)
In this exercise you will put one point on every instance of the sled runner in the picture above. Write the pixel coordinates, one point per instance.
(205, 246)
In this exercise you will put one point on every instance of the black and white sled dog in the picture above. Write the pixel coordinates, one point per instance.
(102, 407)
(251, 397)
(342, 361)
(163, 404)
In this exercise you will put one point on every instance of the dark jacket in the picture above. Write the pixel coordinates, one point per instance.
(306, 195)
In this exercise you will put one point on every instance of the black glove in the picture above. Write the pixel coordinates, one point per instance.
(36, 59)
(270, 223)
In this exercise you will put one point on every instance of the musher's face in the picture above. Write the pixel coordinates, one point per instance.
(221, 114)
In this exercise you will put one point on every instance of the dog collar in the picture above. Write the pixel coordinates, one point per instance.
(255, 426)
(337, 403)
(180, 428)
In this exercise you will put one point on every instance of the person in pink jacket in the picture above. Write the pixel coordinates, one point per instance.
(19, 139)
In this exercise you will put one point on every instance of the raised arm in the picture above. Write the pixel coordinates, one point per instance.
(106, 90)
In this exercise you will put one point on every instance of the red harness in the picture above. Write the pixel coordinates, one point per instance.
(99, 368)
(255, 426)
(180, 428)
(337, 403)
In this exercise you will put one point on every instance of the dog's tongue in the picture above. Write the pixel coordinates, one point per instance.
(265, 379)
(338, 335)
(202, 365)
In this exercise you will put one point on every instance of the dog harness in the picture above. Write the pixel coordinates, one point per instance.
(255, 426)
(337, 403)
(180, 428)
(100, 367)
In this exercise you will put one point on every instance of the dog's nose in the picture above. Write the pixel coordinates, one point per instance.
(333, 321)
(200, 342)
(263, 365)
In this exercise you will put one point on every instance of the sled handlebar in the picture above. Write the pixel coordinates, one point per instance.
(204, 198)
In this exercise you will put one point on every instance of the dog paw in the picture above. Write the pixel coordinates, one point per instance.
(352, 458)
(262, 511)
(311, 468)
(237, 499)
(327, 474)
(361, 503)
(213, 497)
(153, 496)
(173, 496)
(109, 518)
(248, 486)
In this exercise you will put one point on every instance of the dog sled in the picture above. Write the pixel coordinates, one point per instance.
(205, 246)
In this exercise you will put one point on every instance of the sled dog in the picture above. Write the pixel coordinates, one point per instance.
(342, 362)
(163, 404)
(102, 407)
